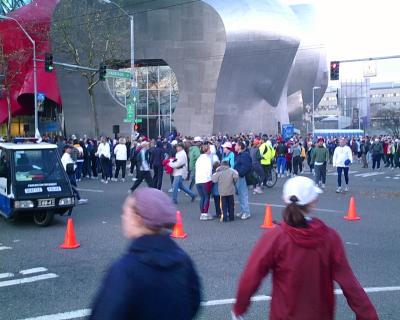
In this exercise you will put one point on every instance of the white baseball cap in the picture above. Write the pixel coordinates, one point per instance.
(227, 145)
(303, 188)
(197, 139)
(174, 142)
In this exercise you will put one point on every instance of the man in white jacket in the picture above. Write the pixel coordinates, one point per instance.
(180, 168)
(342, 158)
(121, 156)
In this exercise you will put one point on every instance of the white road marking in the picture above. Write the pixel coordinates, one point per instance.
(27, 280)
(86, 312)
(388, 177)
(34, 270)
(15, 241)
(352, 243)
(91, 190)
(396, 178)
(64, 316)
(368, 174)
(6, 275)
(5, 248)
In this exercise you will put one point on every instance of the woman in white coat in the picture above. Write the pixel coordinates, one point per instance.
(342, 158)
(204, 181)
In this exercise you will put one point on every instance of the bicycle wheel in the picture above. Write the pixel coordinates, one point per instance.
(274, 178)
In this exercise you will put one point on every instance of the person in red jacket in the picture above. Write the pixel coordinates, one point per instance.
(305, 257)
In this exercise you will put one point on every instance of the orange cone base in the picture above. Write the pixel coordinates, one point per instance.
(267, 227)
(180, 236)
(351, 218)
(64, 246)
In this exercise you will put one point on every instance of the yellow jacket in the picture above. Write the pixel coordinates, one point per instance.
(303, 152)
(267, 154)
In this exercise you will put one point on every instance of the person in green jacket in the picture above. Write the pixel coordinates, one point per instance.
(319, 158)
(194, 154)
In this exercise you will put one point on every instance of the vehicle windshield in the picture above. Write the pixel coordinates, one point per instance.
(37, 165)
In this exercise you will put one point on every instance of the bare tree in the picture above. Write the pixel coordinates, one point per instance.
(85, 34)
(17, 58)
(7, 6)
(389, 119)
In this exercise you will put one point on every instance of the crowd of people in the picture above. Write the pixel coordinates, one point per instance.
(221, 166)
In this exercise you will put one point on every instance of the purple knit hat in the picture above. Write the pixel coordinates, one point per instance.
(155, 208)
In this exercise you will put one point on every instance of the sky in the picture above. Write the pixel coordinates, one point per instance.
(354, 29)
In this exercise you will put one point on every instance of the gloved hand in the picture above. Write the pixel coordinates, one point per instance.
(235, 317)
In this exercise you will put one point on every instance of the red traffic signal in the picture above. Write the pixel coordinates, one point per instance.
(136, 127)
(335, 70)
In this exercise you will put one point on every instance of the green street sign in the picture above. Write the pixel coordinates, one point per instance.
(138, 120)
(110, 73)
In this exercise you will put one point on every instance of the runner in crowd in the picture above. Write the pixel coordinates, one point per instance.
(342, 158)
(305, 257)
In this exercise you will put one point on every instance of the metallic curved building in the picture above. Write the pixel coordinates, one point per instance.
(236, 62)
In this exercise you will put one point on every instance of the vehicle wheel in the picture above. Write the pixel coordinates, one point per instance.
(43, 218)
(274, 179)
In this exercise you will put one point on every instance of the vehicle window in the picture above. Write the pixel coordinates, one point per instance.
(37, 165)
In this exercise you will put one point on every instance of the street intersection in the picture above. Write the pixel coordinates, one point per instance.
(40, 281)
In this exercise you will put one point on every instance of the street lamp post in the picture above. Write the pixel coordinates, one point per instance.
(313, 109)
(133, 78)
(37, 133)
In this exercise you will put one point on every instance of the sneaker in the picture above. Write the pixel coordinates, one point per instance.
(238, 214)
(123, 179)
(346, 188)
(209, 217)
(134, 179)
(339, 190)
(245, 216)
(102, 180)
(105, 181)
(204, 217)
(82, 201)
(171, 190)
(287, 174)
(130, 174)
(322, 185)
(114, 179)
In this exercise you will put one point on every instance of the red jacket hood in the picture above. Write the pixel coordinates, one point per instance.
(310, 237)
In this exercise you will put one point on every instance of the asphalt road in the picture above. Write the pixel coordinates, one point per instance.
(67, 280)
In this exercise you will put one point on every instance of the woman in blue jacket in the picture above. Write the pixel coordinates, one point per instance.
(155, 279)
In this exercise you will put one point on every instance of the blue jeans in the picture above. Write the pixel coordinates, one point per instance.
(281, 165)
(178, 184)
(243, 195)
(204, 190)
(345, 170)
(78, 172)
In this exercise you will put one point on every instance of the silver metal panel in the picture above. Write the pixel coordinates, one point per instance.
(236, 61)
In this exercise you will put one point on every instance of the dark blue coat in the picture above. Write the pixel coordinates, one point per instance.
(155, 280)
(243, 163)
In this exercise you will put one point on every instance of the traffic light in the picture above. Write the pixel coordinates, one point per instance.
(48, 62)
(335, 70)
(102, 71)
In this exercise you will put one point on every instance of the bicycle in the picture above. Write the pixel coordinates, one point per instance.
(273, 177)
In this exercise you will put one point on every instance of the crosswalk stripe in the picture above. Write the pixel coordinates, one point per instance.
(369, 174)
(6, 275)
(27, 280)
(33, 270)
(5, 248)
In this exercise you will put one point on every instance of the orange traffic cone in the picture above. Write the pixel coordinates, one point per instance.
(352, 213)
(178, 231)
(70, 241)
(268, 218)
